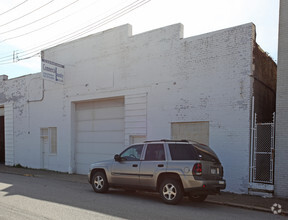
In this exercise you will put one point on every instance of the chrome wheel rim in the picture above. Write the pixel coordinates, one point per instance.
(169, 191)
(99, 182)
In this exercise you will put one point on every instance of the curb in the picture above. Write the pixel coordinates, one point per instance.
(237, 205)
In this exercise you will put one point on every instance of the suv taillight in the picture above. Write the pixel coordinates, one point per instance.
(197, 169)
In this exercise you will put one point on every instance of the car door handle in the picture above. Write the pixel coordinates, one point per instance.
(160, 165)
(135, 165)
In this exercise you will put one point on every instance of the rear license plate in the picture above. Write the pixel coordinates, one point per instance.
(221, 182)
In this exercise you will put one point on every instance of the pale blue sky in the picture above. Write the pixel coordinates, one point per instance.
(26, 26)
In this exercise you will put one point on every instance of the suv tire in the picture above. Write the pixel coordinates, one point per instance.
(171, 191)
(99, 182)
(197, 198)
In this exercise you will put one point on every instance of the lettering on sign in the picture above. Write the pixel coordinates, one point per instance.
(52, 71)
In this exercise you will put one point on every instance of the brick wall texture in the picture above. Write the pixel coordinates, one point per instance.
(281, 148)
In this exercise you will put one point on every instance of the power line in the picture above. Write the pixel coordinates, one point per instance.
(36, 50)
(43, 27)
(38, 29)
(13, 8)
(26, 14)
(35, 22)
(97, 24)
(109, 18)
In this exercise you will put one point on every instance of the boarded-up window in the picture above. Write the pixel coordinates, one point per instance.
(134, 139)
(194, 131)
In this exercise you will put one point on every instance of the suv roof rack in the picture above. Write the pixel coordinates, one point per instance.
(167, 140)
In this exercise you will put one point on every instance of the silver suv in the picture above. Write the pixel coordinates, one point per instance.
(172, 168)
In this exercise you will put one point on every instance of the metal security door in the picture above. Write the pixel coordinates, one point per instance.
(263, 153)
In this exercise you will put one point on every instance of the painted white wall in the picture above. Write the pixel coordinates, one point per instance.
(201, 78)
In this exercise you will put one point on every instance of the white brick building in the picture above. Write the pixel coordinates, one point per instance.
(281, 148)
(121, 88)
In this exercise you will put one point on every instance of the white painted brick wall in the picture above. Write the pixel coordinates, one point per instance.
(281, 146)
(135, 116)
(201, 78)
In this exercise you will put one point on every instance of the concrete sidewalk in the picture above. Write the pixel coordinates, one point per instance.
(230, 199)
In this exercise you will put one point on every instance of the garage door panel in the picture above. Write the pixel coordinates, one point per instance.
(109, 113)
(91, 158)
(82, 168)
(99, 131)
(84, 115)
(100, 136)
(109, 125)
(84, 126)
(106, 148)
(108, 103)
(100, 103)
(101, 125)
(84, 161)
(103, 113)
(84, 106)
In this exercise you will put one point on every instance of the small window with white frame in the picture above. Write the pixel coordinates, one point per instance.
(49, 140)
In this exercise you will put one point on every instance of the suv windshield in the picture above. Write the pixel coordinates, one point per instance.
(183, 152)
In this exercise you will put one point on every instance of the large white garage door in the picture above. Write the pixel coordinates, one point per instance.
(99, 131)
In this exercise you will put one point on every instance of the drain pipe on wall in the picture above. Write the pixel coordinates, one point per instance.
(34, 100)
(41, 99)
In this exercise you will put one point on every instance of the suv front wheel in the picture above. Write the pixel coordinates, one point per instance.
(171, 191)
(99, 182)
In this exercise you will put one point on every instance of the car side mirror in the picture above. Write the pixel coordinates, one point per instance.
(117, 158)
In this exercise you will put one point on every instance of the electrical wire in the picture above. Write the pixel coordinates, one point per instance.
(17, 28)
(13, 8)
(41, 28)
(38, 29)
(27, 13)
(36, 50)
(103, 21)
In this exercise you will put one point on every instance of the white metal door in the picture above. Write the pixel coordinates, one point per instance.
(45, 148)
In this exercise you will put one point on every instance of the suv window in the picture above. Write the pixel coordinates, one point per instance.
(132, 153)
(183, 152)
(206, 153)
(155, 152)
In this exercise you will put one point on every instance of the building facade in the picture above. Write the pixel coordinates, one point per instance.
(281, 148)
(116, 88)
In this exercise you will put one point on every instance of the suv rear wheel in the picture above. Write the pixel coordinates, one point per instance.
(197, 198)
(99, 182)
(171, 191)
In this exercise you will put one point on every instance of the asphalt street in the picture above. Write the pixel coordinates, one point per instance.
(29, 197)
